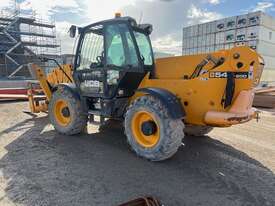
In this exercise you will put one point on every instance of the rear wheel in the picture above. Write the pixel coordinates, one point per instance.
(66, 114)
(197, 131)
(150, 131)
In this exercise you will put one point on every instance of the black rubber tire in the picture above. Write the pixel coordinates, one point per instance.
(79, 118)
(171, 130)
(197, 131)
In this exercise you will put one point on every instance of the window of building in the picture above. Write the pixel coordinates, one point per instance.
(254, 20)
(230, 24)
(220, 26)
(270, 35)
(242, 22)
(241, 37)
(230, 37)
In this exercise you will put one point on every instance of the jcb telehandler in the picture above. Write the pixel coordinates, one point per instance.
(115, 76)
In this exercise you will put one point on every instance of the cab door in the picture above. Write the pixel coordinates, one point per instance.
(123, 62)
(108, 61)
(89, 62)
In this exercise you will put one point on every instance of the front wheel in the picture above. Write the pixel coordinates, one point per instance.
(150, 130)
(66, 113)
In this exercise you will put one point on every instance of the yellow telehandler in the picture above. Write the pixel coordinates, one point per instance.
(115, 76)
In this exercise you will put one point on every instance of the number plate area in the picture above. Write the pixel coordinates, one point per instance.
(237, 75)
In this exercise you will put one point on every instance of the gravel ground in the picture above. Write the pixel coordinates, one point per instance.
(232, 166)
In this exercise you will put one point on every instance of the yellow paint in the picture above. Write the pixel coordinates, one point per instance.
(36, 106)
(57, 76)
(60, 118)
(240, 112)
(199, 95)
(203, 94)
(46, 82)
(146, 141)
(41, 77)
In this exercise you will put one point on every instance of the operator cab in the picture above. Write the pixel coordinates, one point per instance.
(112, 58)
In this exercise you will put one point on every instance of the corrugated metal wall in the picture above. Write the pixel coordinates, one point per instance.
(256, 30)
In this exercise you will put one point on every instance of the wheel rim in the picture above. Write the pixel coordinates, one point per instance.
(62, 112)
(149, 140)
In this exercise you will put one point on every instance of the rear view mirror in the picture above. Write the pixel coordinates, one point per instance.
(72, 31)
(148, 28)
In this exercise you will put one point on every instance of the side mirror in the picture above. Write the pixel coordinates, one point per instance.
(72, 31)
(148, 28)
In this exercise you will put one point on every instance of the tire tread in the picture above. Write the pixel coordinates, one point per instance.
(173, 129)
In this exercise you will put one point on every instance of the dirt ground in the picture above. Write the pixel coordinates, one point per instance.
(234, 166)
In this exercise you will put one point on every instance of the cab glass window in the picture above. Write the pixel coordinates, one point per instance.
(120, 47)
(144, 48)
(91, 53)
(115, 51)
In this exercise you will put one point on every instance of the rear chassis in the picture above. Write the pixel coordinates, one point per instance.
(219, 96)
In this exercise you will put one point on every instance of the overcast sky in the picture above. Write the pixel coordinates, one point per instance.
(167, 16)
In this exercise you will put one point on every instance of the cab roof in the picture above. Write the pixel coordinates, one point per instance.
(113, 21)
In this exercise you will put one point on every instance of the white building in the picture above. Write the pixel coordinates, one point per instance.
(256, 30)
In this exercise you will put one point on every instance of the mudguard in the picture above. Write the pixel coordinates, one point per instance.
(68, 86)
(172, 103)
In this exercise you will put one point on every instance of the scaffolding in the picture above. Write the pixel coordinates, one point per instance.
(25, 39)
